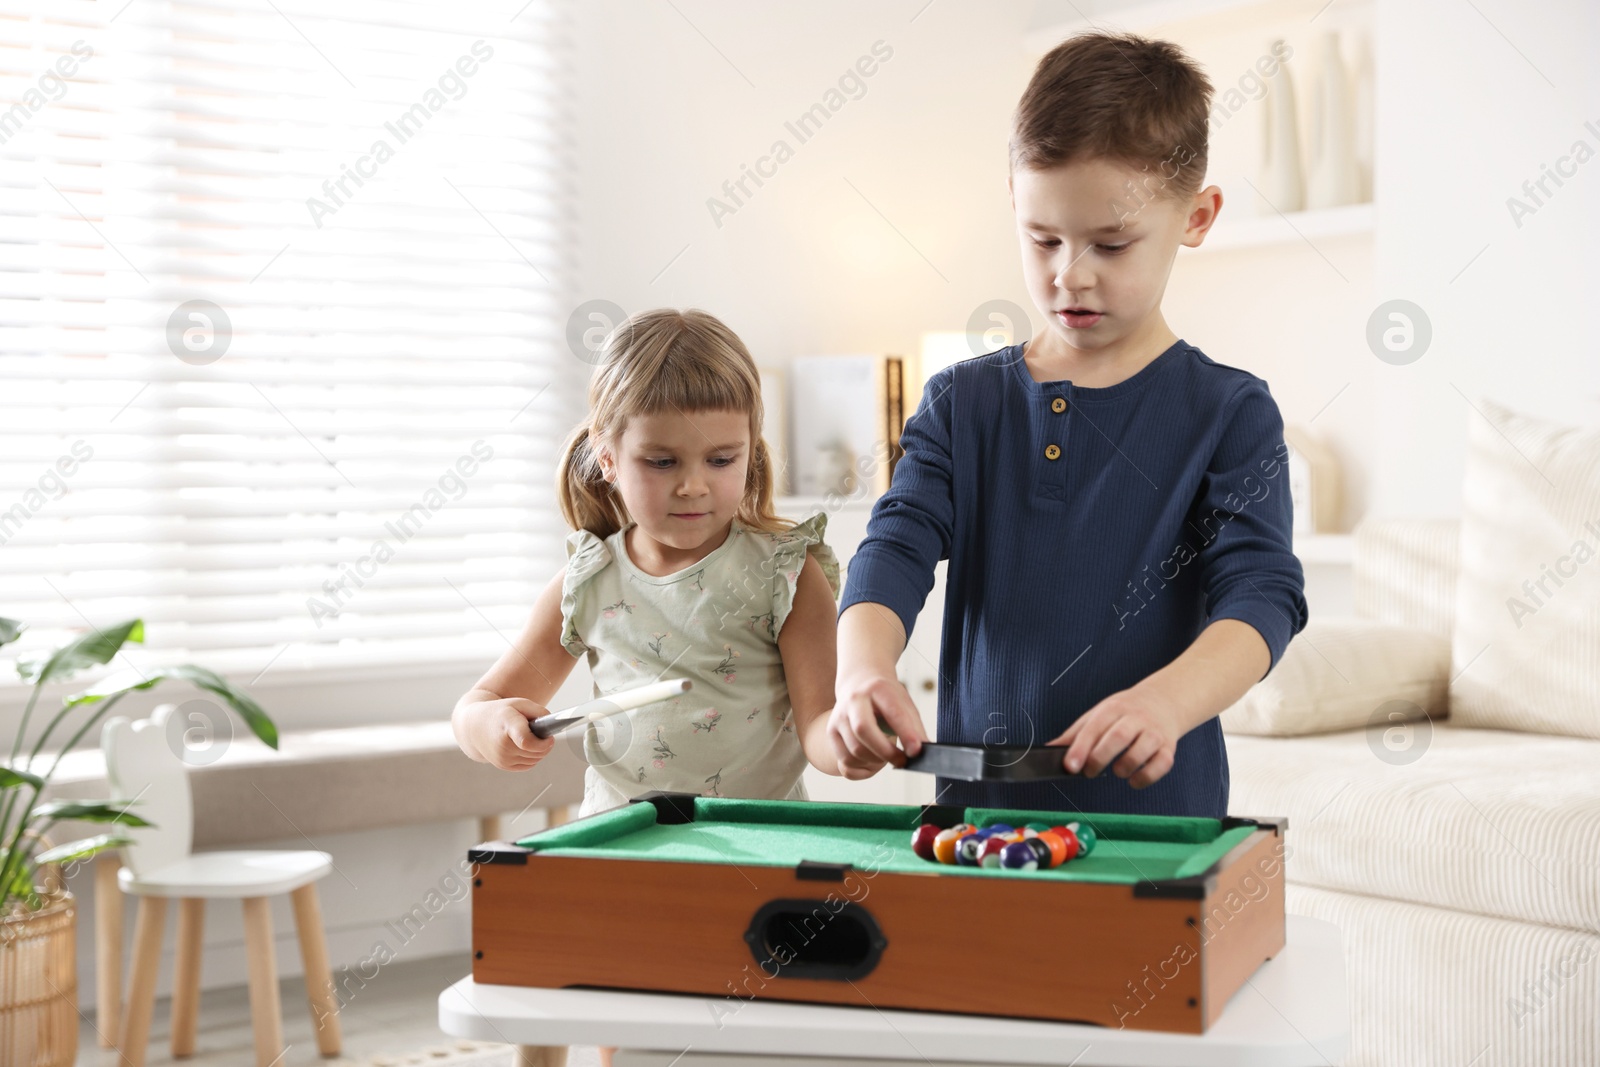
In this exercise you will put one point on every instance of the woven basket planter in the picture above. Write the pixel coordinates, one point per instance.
(39, 980)
(39, 985)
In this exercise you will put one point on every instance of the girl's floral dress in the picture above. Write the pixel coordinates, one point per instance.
(716, 623)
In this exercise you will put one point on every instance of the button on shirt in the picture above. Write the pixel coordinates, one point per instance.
(1092, 535)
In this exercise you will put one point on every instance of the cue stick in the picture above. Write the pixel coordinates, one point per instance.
(606, 706)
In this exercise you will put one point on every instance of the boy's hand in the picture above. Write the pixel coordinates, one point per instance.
(1141, 723)
(860, 741)
(496, 732)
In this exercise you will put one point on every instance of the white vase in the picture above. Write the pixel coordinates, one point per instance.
(836, 469)
(1335, 177)
(1361, 76)
(1280, 179)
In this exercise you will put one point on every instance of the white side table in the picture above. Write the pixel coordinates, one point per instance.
(1291, 1013)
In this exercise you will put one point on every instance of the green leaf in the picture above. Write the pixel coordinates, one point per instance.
(113, 685)
(88, 811)
(201, 677)
(82, 849)
(11, 779)
(237, 699)
(10, 630)
(89, 650)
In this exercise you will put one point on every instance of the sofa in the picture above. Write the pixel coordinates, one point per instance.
(1438, 759)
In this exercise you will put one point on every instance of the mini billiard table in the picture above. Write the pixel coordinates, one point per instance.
(799, 900)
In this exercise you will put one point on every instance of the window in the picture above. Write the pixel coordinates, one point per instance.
(282, 303)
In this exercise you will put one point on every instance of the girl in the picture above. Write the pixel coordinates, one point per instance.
(678, 568)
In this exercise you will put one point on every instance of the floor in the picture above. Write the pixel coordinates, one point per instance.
(388, 1020)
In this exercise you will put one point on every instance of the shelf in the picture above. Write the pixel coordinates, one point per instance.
(1295, 227)
(805, 505)
(1336, 549)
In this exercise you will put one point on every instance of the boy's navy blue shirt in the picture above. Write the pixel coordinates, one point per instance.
(1092, 535)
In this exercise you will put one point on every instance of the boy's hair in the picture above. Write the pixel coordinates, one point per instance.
(661, 361)
(1118, 97)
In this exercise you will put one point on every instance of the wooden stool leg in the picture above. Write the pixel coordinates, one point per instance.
(489, 828)
(319, 979)
(147, 930)
(266, 1016)
(541, 1056)
(108, 947)
(186, 975)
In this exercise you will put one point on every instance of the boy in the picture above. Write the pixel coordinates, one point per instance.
(1114, 505)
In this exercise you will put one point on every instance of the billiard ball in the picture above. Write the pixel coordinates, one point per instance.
(1017, 856)
(1074, 844)
(1025, 855)
(922, 840)
(1061, 849)
(968, 846)
(944, 844)
(952, 853)
(1008, 837)
(993, 845)
(1085, 835)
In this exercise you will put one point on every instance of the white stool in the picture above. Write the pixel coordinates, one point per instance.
(146, 770)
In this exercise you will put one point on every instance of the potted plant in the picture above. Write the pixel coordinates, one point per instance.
(38, 960)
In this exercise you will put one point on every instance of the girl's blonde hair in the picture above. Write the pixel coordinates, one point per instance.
(654, 362)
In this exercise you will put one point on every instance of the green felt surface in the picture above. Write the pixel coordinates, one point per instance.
(877, 837)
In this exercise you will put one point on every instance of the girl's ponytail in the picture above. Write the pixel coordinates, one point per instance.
(586, 498)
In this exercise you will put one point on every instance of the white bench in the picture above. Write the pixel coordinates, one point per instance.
(317, 782)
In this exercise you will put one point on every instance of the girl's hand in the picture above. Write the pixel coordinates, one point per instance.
(496, 732)
(861, 743)
(1140, 723)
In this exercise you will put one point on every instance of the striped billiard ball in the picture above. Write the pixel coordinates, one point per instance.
(993, 845)
(944, 845)
(1025, 855)
(968, 847)
(1061, 848)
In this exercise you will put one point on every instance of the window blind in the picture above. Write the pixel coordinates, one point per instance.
(283, 291)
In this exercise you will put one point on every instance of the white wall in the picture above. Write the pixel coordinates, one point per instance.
(890, 221)
(1479, 102)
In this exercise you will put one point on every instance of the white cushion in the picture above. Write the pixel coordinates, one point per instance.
(1480, 821)
(1460, 989)
(1338, 674)
(1405, 571)
(339, 781)
(1526, 647)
